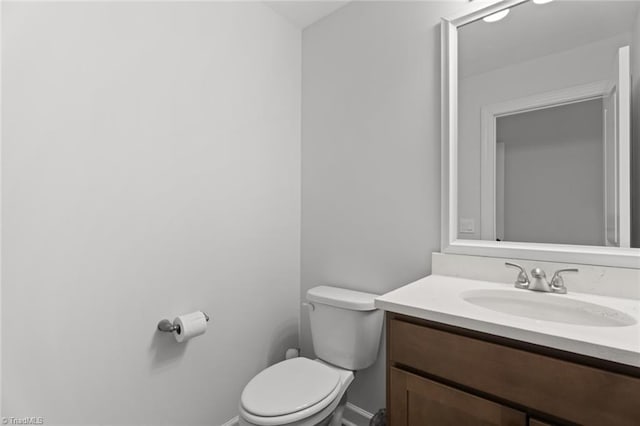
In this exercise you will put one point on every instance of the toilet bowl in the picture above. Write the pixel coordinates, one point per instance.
(295, 392)
(345, 330)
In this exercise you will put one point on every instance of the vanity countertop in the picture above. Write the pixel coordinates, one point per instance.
(439, 298)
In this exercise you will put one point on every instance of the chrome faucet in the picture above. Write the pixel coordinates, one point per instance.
(540, 282)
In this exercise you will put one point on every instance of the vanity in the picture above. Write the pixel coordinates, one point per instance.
(451, 361)
(474, 344)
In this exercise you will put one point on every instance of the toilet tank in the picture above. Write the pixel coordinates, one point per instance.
(345, 326)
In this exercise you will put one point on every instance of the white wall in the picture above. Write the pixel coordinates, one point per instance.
(554, 174)
(585, 64)
(371, 154)
(150, 167)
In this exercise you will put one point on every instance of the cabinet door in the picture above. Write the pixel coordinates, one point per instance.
(416, 401)
(536, 422)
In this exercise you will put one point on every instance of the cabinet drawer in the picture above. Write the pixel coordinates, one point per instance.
(417, 401)
(574, 392)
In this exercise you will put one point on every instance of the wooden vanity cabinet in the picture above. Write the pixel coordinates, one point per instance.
(442, 375)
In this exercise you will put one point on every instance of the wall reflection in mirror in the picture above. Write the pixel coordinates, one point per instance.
(548, 125)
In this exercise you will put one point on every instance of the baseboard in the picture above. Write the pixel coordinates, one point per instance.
(356, 416)
(233, 422)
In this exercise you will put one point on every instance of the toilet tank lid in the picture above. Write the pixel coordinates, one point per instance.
(342, 298)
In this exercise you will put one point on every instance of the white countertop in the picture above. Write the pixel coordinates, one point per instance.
(437, 298)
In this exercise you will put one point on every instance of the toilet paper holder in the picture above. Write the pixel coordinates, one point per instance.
(167, 326)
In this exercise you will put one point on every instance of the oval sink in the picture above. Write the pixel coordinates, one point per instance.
(548, 307)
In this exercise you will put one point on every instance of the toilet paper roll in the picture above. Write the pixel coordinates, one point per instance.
(190, 326)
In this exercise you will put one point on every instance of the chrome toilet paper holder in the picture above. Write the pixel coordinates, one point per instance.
(168, 327)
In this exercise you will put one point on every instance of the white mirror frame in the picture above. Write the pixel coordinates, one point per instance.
(591, 255)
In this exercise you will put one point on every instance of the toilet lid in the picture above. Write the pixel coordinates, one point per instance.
(289, 386)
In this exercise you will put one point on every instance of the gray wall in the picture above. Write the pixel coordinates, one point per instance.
(371, 154)
(133, 189)
(554, 177)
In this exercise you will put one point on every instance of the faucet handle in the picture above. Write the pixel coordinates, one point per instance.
(523, 279)
(557, 283)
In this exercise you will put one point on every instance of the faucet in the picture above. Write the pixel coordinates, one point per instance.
(540, 282)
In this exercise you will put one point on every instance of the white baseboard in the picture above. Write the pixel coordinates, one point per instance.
(233, 422)
(355, 416)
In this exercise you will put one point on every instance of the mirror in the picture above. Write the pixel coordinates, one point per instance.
(542, 149)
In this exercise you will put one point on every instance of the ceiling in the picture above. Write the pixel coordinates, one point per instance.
(531, 31)
(304, 13)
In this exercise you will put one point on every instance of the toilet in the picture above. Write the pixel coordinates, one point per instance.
(346, 330)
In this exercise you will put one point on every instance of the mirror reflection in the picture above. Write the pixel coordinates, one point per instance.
(548, 146)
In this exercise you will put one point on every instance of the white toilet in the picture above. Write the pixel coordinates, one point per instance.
(346, 330)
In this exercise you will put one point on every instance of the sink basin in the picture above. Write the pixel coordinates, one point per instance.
(548, 307)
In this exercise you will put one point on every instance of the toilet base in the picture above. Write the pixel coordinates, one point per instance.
(336, 418)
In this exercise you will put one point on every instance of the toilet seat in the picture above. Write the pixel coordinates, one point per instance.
(290, 391)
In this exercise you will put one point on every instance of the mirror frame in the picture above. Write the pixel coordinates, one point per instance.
(450, 243)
